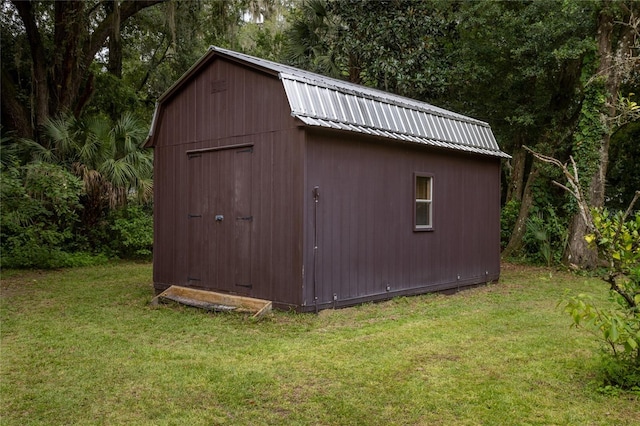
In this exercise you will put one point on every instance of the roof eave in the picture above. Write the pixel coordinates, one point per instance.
(315, 123)
(151, 140)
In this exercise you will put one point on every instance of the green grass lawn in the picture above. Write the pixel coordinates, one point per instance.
(83, 346)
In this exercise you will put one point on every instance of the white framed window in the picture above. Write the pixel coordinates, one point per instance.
(423, 211)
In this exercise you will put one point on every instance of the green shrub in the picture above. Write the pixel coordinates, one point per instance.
(38, 215)
(618, 324)
(617, 374)
(132, 229)
(546, 236)
(508, 217)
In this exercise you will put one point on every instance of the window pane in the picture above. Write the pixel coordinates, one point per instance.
(423, 213)
(423, 188)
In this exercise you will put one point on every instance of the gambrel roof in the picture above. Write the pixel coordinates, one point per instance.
(321, 101)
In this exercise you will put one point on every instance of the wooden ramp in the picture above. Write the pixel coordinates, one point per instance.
(213, 301)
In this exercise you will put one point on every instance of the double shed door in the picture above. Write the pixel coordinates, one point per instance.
(220, 219)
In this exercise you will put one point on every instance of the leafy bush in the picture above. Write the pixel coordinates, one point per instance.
(40, 222)
(546, 236)
(618, 325)
(38, 215)
(619, 375)
(132, 229)
(508, 217)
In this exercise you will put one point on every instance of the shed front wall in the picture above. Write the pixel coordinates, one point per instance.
(227, 108)
(223, 99)
(362, 223)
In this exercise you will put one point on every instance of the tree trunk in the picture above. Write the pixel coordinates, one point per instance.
(115, 42)
(69, 33)
(517, 169)
(520, 228)
(40, 87)
(578, 251)
(612, 55)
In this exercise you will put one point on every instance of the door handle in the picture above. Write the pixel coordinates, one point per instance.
(219, 218)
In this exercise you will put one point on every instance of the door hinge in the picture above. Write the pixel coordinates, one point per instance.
(193, 279)
(194, 215)
(245, 285)
(249, 218)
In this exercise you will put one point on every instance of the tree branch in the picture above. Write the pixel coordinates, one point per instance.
(630, 208)
(128, 8)
(611, 279)
(41, 107)
(574, 182)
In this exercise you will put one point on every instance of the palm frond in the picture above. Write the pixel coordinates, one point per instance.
(36, 152)
(128, 134)
(144, 190)
(120, 173)
(62, 132)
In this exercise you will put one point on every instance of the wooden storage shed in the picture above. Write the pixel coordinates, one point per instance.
(311, 192)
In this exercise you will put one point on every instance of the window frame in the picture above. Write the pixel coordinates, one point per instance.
(416, 200)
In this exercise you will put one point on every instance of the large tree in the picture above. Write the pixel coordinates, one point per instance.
(616, 62)
(63, 39)
(521, 73)
(397, 46)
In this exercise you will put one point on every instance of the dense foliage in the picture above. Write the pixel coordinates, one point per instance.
(360, 41)
(64, 200)
(39, 211)
(80, 79)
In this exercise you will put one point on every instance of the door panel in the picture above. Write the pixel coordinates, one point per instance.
(220, 220)
(223, 263)
(195, 222)
(243, 218)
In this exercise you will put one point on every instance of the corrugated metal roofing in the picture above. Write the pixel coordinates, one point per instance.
(327, 102)
(327, 107)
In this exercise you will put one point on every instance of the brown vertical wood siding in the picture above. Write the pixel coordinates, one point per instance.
(367, 248)
(224, 105)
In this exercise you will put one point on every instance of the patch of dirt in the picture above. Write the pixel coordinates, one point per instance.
(515, 267)
(18, 283)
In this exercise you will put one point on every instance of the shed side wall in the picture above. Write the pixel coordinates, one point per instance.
(367, 248)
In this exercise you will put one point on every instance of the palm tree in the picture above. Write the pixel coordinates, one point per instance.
(110, 159)
(311, 37)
